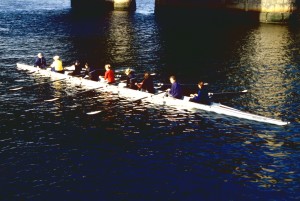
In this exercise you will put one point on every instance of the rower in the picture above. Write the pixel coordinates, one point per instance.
(90, 72)
(202, 95)
(147, 84)
(175, 90)
(131, 79)
(77, 68)
(109, 75)
(57, 65)
(40, 61)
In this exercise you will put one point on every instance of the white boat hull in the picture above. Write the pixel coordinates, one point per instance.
(154, 98)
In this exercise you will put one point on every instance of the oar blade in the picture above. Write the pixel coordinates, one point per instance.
(51, 100)
(93, 112)
(16, 89)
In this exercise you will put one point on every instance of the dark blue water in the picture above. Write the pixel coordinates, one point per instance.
(141, 151)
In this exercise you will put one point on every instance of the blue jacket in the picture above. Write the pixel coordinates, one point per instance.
(131, 80)
(202, 97)
(175, 90)
(40, 62)
(92, 73)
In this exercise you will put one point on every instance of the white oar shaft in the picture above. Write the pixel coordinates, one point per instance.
(233, 92)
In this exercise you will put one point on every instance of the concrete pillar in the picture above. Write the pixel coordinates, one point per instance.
(266, 10)
(277, 10)
(125, 5)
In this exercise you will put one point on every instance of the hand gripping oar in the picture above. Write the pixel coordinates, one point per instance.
(98, 111)
(57, 98)
(18, 88)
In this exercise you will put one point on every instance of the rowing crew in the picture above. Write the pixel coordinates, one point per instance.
(57, 65)
(146, 85)
(175, 91)
(90, 72)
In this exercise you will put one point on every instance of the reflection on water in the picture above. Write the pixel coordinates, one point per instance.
(120, 37)
(261, 67)
(269, 53)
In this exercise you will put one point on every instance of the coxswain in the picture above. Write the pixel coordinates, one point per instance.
(147, 84)
(109, 75)
(202, 95)
(175, 90)
(40, 61)
(57, 65)
(131, 79)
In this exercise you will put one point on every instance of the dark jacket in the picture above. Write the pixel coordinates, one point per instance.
(131, 80)
(77, 70)
(147, 85)
(175, 90)
(40, 62)
(92, 73)
(202, 96)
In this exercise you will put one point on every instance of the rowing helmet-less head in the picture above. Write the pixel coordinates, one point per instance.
(172, 79)
(128, 71)
(40, 55)
(146, 75)
(56, 57)
(107, 66)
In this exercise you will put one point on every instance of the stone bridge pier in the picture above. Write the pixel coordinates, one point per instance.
(103, 5)
(265, 10)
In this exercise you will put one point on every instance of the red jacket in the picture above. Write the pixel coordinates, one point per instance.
(109, 76)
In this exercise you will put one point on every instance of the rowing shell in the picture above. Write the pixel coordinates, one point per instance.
(160, 98)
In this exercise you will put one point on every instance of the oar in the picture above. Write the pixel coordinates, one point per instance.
(121, 75)
(228, 93)
(57, 98)
(18, 88)
(169, 84)
(98, 111)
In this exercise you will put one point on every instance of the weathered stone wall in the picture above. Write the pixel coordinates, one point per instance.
(251, 5)
(267, 10)
(124, 5)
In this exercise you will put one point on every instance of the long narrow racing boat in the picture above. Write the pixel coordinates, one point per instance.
(158, 98)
